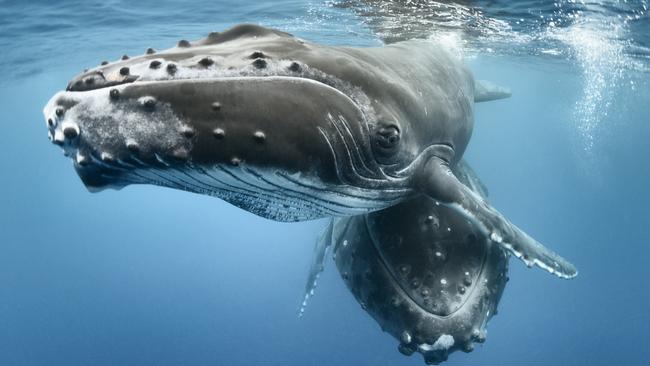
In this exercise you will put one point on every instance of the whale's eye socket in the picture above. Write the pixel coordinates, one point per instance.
(386, 143)
(388, 137)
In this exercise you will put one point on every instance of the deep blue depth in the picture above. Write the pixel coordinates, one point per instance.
(152, 276)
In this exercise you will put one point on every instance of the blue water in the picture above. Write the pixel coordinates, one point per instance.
(152, 276)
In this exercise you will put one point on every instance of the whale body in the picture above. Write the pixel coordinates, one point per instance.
(286, 129)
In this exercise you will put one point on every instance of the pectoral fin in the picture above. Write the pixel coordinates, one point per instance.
(468, 177)
(317, 265)
(485, 91)
(438, 181)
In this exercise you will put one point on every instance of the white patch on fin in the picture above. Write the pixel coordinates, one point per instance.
(527, 249)
(439, 181)
(532, 253)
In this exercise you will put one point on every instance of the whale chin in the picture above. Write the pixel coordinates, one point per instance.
(95, 180)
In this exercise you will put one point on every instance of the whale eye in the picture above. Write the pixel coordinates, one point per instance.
(388, 137)
(386, 143)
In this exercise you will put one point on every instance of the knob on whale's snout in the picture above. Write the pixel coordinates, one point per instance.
(96, 79)
(87, 81)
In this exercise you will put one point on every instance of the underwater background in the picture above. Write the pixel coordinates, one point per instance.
(152, 276)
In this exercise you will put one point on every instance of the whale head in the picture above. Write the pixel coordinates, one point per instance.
(267, 123)
(247, 115)
(252, 115)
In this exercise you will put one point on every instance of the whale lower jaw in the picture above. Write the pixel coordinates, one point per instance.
(265, 192)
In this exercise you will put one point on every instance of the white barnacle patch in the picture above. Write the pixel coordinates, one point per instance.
(97, 125)
(106, 156)
(147, 102)
(58, 136)
(446, 341)
(495, 237)
(443, 343)
(81, 159)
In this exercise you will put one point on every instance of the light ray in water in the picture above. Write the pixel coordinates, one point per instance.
(597, 38)
(602, 63)
(598, 46)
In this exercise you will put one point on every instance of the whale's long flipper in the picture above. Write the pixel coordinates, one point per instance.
(318, 264)
(485, 91)
(468, 177)
(440, 183)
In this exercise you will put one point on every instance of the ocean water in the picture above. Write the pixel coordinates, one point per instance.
(152, 276)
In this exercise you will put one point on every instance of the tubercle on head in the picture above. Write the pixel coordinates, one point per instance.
(84, 148)
(89, 141)
(128, 69)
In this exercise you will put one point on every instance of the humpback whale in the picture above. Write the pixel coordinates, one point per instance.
(425, 274)
(286, 129)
